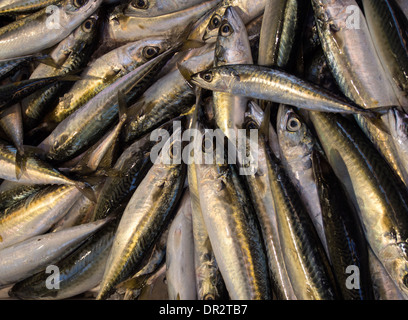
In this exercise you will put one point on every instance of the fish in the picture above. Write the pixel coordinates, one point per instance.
(398, 124)
(383, 286)
(263, 202)
(35, 214)
(347, 244)
(132, 166)
(224, 214)
(15, 91)
(123, 27)
(154, 8)
(26, 258)
(146, 215)
(297, 144)
(264, 83)
(71, 55)
(24, 6)
(279, 32)
(377, 193)
(151, 263)
(180, 270)
(232, 47)
(209, 282)
(351, 53)
(31, 29)
(391, 43)
(80, 271)
(207, 27)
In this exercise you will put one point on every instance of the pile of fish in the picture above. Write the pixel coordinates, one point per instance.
(204, 149)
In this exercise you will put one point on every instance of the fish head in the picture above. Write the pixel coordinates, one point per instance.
(88, 29)
(141, 7)
(398, 123)
(81, 7)
(394, 258)
(212, 24)
(147, 49)
(216, 79)
(232, 45)
(295, 139)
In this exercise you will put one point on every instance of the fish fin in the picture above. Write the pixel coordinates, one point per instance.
(191, 44)
(86, 190)
(134, 283)
(185, 72)
(49, 61)
(21, 164)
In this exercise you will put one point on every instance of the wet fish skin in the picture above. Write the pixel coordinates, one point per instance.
(15, 91)
(378, 194)
(154, 8)
(398, 124)
(297, 144)
(305, 258)
(180, 270)
(169, 97)
(146, 215)
(351, 54)
(26, 258)
(31, 29)
(391, 42)
(123, 28)
(9, 198)
(383, 286)
(133, 163)
(280, 25)
(345, 237)
(71, 54)
(232, 47)
(263, 202)
(209, 282)
(245, 278)
(88, 123)
(80, 271)
(264, 83)
(151, 263)
(36, 214)
(104, 71)
(24, 6)
(37, 171)
(207, 27)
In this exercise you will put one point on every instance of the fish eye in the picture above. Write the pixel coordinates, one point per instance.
(87, 25)
(140, 4)
(79, 3)
(207, 76)
(209, 296)
(215, 22)
(226, 30)
(293, 124)
(173, 151)
(150, 52)
(405, 280)
(208, 145)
